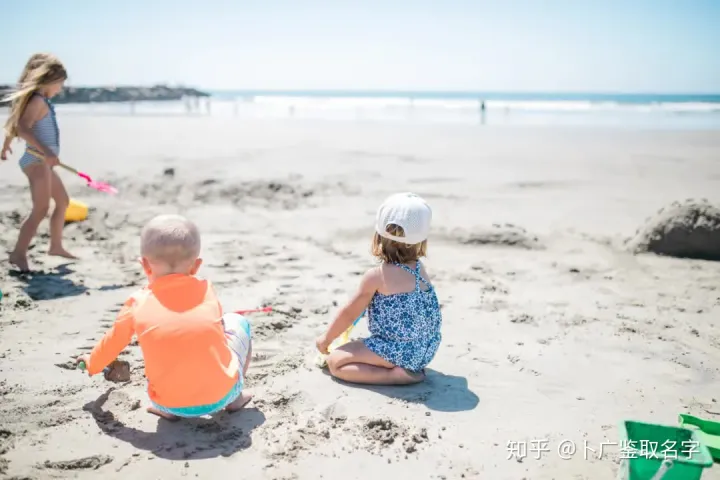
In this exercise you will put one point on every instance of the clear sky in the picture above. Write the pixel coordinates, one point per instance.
(648, 46)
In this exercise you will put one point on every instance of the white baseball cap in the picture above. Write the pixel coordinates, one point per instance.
(408, 211)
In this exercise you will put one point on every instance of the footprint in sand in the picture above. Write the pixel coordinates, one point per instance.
(381, 433)
(262, 363)
(271, 327)
(55, 419)
(523, 319)
(86, 463)
(5, 441)
(69, 365)
(282, 402)
(303, 438)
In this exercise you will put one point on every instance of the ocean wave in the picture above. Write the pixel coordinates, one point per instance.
(387, 103)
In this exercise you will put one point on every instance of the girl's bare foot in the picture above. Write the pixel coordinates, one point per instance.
(167, 416)
(239, 402)
(19, 261)
(61, 252)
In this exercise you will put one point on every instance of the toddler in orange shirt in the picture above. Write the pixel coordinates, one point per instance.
(195, 357)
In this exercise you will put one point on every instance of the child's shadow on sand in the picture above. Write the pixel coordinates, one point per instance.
(439, 392)
(41, 285)
(191, 438)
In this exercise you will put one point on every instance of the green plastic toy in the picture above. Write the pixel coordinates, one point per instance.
(82, 367)
(654, 452)
(707, 431)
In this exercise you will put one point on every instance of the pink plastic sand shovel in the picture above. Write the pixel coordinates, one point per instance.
(255, 310)
(99, 186)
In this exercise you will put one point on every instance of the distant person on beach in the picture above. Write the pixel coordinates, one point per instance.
(195, 357)
(403, 311)
(32, 118)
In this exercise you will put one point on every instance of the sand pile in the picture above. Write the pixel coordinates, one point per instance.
(171, 188)
(506, 235)
(687, 230)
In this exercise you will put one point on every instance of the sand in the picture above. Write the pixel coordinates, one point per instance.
(553, 329)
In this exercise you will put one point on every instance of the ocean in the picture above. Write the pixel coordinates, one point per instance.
(654, 111)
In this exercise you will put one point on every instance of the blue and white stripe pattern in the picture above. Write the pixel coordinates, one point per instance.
(237, 331)
(47, 132)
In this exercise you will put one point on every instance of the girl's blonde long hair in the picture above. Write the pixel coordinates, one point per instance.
(41, 69)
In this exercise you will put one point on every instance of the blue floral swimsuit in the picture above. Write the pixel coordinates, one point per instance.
(405, 327)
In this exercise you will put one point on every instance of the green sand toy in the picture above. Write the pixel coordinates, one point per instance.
(654, 452)
(82, 367)
(707, 431)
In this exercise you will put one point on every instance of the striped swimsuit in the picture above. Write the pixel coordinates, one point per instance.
(47, 132)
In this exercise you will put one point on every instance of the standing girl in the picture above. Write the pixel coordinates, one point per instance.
(403, 310)
(32, 118)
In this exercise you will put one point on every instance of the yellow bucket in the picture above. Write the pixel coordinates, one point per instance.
(76, 211)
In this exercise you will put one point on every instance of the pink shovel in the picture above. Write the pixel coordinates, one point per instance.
(99, 186)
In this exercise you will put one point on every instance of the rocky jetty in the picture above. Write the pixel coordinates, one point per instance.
(121, 94)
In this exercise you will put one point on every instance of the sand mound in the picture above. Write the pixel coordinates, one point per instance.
(688, 230)
(507, 235)
(171, 188)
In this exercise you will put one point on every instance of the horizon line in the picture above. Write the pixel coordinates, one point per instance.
(457, 91)
(336, 90)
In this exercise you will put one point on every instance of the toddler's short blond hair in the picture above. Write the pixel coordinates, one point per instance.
(171, 242)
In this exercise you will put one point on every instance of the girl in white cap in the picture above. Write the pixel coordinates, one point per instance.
(403, 310)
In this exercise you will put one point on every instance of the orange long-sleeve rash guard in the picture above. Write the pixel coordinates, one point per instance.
(178, 323)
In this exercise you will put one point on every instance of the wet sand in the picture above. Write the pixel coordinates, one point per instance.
(552, 330)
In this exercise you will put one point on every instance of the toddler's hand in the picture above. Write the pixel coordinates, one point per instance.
(322, 344)
(85, 359)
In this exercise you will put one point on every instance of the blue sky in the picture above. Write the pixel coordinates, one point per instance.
(649, 46)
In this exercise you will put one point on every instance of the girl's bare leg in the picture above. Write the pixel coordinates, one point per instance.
(355, 363)
(57, 220)
(39, 176)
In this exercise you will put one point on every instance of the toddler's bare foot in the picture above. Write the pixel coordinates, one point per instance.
(167, 416)
(20, 261)
(61, 252)
(240, 402)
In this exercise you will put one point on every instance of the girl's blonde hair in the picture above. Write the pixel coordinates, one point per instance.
(41, 70)
(390, 251)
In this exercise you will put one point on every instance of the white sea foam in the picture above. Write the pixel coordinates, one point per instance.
(314, 102)
(422, 109)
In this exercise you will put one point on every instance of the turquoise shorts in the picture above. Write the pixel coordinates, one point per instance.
(237, 331)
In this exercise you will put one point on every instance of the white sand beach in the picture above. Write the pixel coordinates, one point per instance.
(552, 329)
